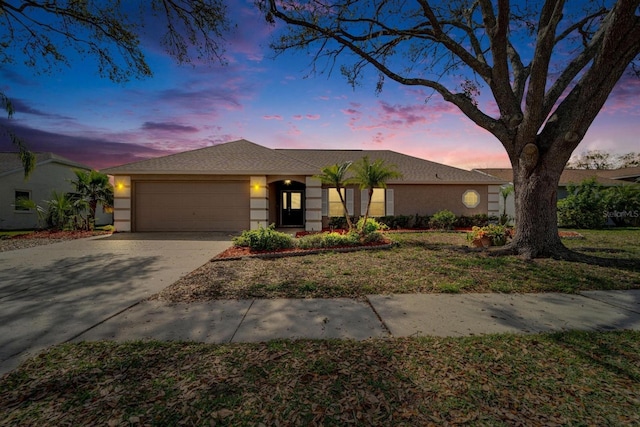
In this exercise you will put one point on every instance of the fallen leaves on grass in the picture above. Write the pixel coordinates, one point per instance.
(506, 379)
(419, 263)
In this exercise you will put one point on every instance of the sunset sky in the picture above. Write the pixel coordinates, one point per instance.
(273, 101)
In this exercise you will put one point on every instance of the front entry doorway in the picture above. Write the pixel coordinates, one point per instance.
(292, 208)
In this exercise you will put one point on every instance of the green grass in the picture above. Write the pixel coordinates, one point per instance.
(562, 378)
(420, 263)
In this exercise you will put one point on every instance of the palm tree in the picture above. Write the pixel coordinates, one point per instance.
(93, 187)
(373, 175)
(335, 176)
(60, 212)
(505, 192)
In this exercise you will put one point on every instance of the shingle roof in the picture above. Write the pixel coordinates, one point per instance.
(10, 162)
(575, 176)
(240, 157)
(413, 169)
(244, 157)
(622, 173)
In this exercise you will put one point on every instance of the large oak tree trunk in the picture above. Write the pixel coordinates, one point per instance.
(535, 180)
(536, 233)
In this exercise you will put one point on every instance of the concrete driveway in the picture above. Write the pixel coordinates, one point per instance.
(50, 294)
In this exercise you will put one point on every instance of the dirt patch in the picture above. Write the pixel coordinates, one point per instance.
(236, 252)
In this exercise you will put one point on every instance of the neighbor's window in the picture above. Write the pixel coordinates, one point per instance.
(471, 198)
(20, 198)
(377, 203)
(335, 205)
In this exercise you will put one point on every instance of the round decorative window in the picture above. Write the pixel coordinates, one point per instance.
(471, 198)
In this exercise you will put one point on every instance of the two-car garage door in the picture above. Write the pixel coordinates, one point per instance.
(192, 206)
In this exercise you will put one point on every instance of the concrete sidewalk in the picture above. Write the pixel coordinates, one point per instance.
(375, 317)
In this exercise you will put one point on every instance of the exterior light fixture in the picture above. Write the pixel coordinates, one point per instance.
(287, 182)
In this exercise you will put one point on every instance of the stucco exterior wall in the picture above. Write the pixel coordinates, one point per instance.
(426, 199)
(429, 199)
(45, 179)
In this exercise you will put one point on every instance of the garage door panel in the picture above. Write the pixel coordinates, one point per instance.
(192, 206)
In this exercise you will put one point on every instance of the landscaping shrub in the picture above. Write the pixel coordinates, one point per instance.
(623, 205)
(498, 234)
(328, 240)
(478, 220)
(443, 220)
(371, 226)
(264, 239)
(396, 222)
(584, 206)
(339, 222)
(420, 221)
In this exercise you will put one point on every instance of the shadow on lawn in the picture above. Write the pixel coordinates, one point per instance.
(602, 350)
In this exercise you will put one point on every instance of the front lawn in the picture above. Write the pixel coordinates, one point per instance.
(583, 378)
(421, 262)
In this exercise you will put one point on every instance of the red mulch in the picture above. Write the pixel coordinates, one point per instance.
(49, 234)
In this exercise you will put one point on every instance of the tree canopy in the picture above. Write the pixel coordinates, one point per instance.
(46, 35)
(599, 159)
(535, 74)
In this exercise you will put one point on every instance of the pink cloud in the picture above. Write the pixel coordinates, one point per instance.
(272, 117)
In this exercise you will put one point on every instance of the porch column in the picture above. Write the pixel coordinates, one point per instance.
(259, 202)
(122, 203)
(313, 205)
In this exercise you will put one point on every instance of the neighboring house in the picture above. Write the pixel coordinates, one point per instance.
(622, 174)
(52, 173)
(241, 185)
(569, 176)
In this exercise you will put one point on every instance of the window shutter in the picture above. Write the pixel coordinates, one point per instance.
(349, 196)
(389, 202)
(325, 202)
(364, 200)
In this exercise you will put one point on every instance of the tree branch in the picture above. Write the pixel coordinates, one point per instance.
(549, 19)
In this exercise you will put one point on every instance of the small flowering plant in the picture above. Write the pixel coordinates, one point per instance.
(497, 235)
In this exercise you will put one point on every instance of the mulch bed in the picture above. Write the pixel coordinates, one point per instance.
(60, 235)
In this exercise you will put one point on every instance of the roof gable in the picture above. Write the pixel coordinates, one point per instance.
(240, 157)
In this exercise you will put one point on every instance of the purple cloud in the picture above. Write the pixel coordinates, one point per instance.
(95, 152)
(169, 127)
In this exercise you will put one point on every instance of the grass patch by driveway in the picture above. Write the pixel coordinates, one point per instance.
(548, 379)
(420, 263)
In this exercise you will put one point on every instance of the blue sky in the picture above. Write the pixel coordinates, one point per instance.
(273, 101)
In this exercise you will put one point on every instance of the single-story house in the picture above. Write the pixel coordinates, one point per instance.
(242, 185)
(52, 173)
(568, 176)
(631, 174)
